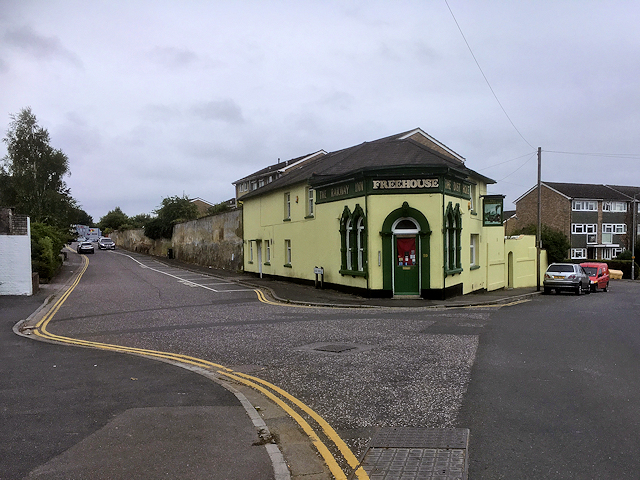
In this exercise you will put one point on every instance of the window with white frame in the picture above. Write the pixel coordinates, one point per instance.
(473, 197)
(610, 253)
(254, 185)
(592, 238)
(310, 202)
(619, 228)
(474, 249)
(287, 206)
(287, 251)
(267, 251)
(578, 253)
(250, 251)
(579, 228)
(614, 206)
(261, 182)
(584, 205)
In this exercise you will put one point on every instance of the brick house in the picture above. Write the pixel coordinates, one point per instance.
(598, 219)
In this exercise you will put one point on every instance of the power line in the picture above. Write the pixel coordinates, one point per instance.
(527, 161)
(485, 77)
(506, 161)
(609, 155)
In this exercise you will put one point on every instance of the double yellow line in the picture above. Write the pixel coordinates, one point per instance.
(283, 399)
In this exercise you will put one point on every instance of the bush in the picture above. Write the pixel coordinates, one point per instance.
(554, 242)
(46, 244)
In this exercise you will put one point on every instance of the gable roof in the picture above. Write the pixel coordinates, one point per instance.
(280, 167)
(413, 148)
(589, 191)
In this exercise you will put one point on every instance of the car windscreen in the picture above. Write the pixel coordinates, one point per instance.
(560, 268)
(107, 240)
(591, 271)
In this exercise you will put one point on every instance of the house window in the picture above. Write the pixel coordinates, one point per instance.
(473, 244)
(267, 251)
(287, 252)
(609, 253)
(310, 202)
(250, 251)
(254, 185)
(619, 228)
(353, 233)
(270, 179)
(592, 238)
(607, 238)
(261, 182)
(579, 228)
(578, 253)
(584, 205)
(452, 230)
(614, 207)
(473, 198)
(287, 206)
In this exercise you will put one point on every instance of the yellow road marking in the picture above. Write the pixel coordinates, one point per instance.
(41, 331)
(335, 469)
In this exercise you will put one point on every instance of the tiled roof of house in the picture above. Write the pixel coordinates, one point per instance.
(592, 191)
(390, 152)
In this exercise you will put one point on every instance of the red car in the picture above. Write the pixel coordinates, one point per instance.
(598, 275)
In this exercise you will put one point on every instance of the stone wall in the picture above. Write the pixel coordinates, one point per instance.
(214, 241)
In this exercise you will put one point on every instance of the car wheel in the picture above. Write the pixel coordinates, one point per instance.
(588, 289)
(606, 287)
(547, 290)
(579, 289)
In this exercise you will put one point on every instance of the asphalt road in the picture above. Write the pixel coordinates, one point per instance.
(68, 412)
(555, 389)
(549, 388)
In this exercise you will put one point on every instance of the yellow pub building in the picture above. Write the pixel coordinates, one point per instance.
(398, 216)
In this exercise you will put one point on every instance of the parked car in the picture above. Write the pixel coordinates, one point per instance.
(85, 247)
(598, 275)
(566, 276)
(105, 243)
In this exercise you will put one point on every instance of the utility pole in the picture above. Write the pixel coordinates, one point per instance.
(539, 229)
(634, 236)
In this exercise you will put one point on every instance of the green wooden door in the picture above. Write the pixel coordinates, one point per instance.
(407, 265)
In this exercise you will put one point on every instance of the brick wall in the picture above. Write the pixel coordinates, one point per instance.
(556, 210)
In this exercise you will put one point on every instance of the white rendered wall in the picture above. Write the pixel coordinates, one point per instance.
(15, 265)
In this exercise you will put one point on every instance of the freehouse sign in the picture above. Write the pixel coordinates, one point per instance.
(356, 188)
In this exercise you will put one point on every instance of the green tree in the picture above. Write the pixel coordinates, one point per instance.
(113, 220)
(172, 210)
(46, 243)
(140, 220)
(32, 173)
(554, 242)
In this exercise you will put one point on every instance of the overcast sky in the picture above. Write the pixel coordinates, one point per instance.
(151, 99)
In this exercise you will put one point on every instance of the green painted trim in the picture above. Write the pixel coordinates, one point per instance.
(286, 219)
(309, 217)
(474, 267)
(250, 262)
(287, 265)
(353, 273)
(267, 264)
(454, 271)
(387, 247)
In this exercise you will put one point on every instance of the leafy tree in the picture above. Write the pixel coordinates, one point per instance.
(140, 220)
(113, 220)
(177, 209)
(554, 242)
(218, 208)
(79, 217)
(172, 210)
(32, 172)
(46, 243)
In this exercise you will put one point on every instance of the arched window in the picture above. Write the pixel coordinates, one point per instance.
(353, 233)
(452, 234)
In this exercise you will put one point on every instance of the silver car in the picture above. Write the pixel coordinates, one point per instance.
(566, 276)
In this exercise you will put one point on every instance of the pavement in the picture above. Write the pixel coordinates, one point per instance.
(70, 412)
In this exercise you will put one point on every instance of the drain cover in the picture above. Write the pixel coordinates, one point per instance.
(417, 453)
(335, 348)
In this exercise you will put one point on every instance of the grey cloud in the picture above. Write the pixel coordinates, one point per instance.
(171, 57)
(223, 110)
(41, 47)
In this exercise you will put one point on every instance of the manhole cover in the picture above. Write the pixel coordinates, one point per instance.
(335, 348)
(417, 453)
